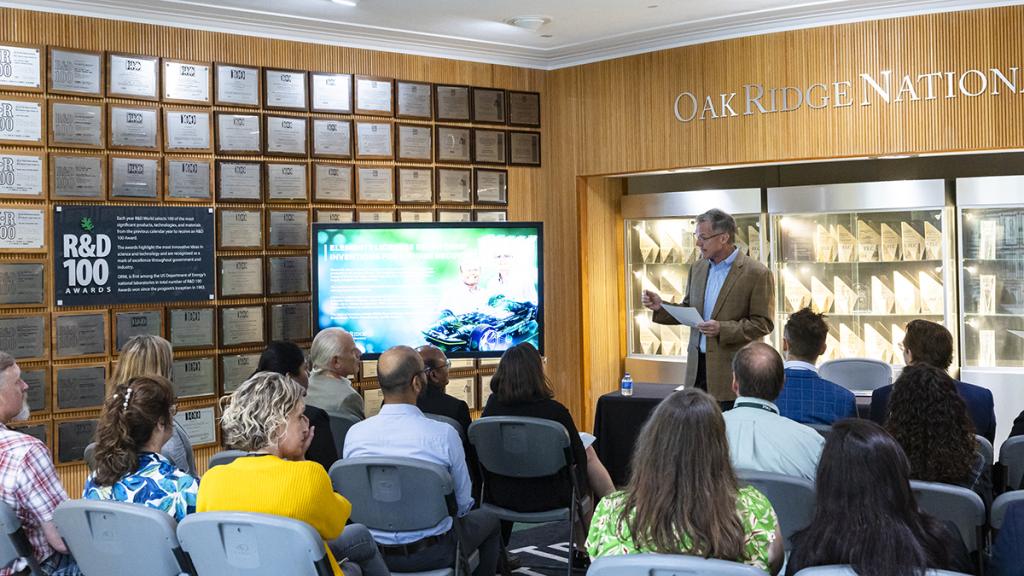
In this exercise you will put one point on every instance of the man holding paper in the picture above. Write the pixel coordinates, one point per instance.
(730, 302)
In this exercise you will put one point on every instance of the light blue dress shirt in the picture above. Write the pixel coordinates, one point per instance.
(761, 439)
(716, 278)
(403, 430)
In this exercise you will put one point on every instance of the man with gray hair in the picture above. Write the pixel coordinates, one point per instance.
(333, 357)
(735, 296)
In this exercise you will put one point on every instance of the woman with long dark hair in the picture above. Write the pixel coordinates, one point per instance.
(683, 496)
(866, 515)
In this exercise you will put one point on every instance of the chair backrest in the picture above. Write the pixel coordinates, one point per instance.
(792, 498)
(107, 537)
(953, 503)
(520, 447)
(855, 374)
(225, 457)
(15, 544)
(667, 564)
(1011, 456)
(985, 448)
(395, 494)
(823, 429)
(846, 570)
(90, 456)
(339, 429)
(1002, 503)
(449, 421)
(237, 543)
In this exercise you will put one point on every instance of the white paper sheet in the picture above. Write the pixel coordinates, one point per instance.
(686, 316)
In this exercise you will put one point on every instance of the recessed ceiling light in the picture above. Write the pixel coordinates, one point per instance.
(897, 156)
(350, 3)
(533, 23)
(690, 170)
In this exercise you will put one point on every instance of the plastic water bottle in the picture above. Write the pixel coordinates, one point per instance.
(626, 388)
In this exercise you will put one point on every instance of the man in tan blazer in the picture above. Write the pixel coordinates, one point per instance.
(733, 293)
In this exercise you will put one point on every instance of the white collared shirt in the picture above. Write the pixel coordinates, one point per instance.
(800, 365)
(761, 439)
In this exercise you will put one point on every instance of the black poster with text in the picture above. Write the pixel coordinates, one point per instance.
(132, 254)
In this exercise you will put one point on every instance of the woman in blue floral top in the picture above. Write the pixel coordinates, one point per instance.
(136, 422)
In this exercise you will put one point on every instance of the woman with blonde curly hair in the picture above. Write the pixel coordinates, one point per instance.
(264, 417)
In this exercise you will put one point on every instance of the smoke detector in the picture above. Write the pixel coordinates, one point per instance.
(532, 23)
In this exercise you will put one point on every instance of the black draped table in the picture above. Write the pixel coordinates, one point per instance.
(617, 423)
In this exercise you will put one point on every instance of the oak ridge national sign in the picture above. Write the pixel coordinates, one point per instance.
(106, 255)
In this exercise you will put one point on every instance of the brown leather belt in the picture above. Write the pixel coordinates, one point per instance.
(412, 547)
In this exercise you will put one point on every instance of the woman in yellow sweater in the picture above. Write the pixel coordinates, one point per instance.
(265, 418)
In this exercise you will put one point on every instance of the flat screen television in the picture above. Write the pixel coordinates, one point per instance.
(473, 289)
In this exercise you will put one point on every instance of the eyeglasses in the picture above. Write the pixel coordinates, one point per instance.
(705, 238)
(447, 364)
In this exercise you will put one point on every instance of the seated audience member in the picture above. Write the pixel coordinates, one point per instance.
(286, 359)
(759, 437)
(135, 423)
(401, 429)
(265, 418)
(806, 397)
(866, 514)
(334, 356)
(1007, 552)
(1018, 425)
(434, 400)
(28, 480)
(683, 496)
(930, 343)
(928, 418)
(153, 355)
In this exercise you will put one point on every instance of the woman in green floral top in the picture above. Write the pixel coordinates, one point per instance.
(683, 497)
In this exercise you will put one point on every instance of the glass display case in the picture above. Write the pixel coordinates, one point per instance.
(871, 256)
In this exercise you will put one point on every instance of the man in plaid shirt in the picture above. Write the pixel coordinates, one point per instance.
(28, 481)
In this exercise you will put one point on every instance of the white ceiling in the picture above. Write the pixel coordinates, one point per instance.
(580, 31)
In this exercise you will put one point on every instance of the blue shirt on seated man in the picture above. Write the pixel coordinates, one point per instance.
(807, 397)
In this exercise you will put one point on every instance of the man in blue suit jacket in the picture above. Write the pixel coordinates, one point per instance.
(1007, 553)
(930, 343)
(807, 397)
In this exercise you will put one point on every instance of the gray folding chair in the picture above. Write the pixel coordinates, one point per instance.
(985, 448)
(449, 421)
(339, 429)
(857, 374)
(956, 504)
(397, 494)
(1011, 456)
(90, 456)
(525, 448)
(15, 545)
(108, 537)
(225, 457)
(791, 497)
(823, 429)
(243, 543)
(845, 570)
(1001, 504)
(668, 564)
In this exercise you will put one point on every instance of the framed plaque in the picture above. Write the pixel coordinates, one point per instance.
(413, 100)
(78, 177)
(524, 148)
(288, 275)
(332, 182)
(454, 185)
(134, 177)
(375, 216)
(451, 144)
(241, 325)
(284, 89)
(489, 106)
(38, 394)
(489, 146)
(22, 67)
(200, 424)
(187, 131)
(523, 108)
(194, 377)
(332, 138)
(335, 216)
(490, 215)
(290, 322)
(72, 438)
(22, 175)
(38, 430)
(22, 283)
(79, 387)
(238, 133)
(415, 215)
(131, 76)
(239, 229)
(285, 135)
(77, 124)
(454, 216)
(374, 185)
(24, 229)
(240, 277)
(21, 121)
(237, 85)
(186, 82)
(136, 323)
(331, 92)
(415, 185)
(76, 72)
(191, 327)
(287, 182)
(414, 143)
(188, 179)
(25, 337)
(373, 141)
(235, 369)
(134, 128)
(287, 229)
(239, 181)
(451, 103)
(490, 186)
(78, 335)
(373, 96)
